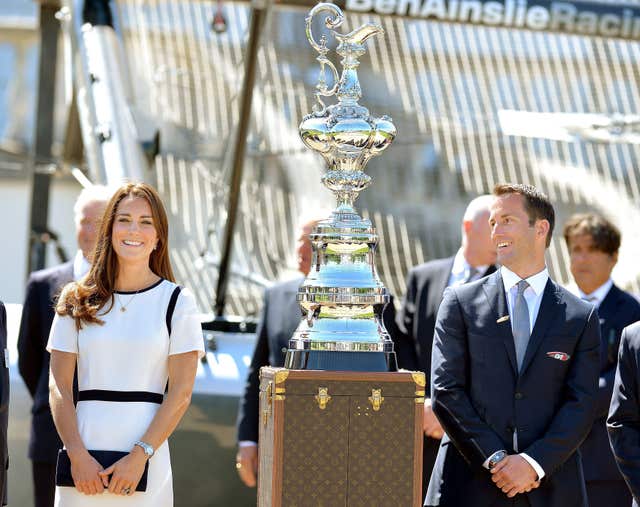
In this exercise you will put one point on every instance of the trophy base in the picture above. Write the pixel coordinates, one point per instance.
(330, 360)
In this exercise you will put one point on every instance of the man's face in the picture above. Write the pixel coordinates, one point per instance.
(88, 225)
(516, 241)
(589, 266)
(480, 245)
(304, 250)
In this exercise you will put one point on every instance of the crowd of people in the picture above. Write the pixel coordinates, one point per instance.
(521, 370)
(534, 387)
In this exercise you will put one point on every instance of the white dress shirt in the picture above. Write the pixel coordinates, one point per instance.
(598, 295)
(461, 270)
(81, 266)
(533, 295)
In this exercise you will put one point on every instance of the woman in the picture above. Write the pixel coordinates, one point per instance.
(128, 334)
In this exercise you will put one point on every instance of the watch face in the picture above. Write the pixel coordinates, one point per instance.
(497, 459)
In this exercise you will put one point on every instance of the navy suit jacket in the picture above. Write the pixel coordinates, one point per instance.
(480, 397)
(4, 406)
(617, 310)
(624, 413)
(281, 315)
(416, 322)
(33, 359)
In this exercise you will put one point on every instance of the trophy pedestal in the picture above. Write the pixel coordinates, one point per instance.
(340, 438)
(339, 361)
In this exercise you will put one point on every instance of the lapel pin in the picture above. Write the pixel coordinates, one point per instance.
(502, 319)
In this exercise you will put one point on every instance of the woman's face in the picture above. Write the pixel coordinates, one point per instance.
(133, 235)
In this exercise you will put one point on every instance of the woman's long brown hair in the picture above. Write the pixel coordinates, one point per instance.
(83, 299)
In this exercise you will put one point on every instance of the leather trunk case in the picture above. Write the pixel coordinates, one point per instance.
(337, 438)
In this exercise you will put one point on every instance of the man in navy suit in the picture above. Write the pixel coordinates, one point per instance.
(514, 373)
(593, 243)
(417, 317)
(33, 359)
(4, 405)
(623, 423)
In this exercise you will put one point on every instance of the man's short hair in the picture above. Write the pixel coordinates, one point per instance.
(605, 235)
(536, 204)
(94, 193)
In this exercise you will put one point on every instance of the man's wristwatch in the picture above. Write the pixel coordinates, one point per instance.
(147, 448)
(496, 458)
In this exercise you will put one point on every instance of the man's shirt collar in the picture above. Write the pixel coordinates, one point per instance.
(537, 282)
(598, 295)
(81, 266)
(461, 267)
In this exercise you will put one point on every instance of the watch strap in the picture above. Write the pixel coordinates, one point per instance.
(147, 448)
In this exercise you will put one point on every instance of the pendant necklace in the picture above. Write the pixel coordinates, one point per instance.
(123, 308)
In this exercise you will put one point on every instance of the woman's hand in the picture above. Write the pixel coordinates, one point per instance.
(85, 471)
(126, 472)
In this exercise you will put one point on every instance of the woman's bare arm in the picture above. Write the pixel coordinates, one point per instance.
(84, 468)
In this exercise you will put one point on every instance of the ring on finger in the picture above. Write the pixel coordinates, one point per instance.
(127, 490)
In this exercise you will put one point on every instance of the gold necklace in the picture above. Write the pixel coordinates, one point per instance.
(123, 308)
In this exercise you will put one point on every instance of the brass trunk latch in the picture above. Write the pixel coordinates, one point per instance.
(269, 399)
(376, 399)
(323, 397)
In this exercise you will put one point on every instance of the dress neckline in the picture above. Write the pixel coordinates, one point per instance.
(152, 286)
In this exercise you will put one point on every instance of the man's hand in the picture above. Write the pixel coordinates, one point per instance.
(247, 464)
(430, 423)
(514, 475)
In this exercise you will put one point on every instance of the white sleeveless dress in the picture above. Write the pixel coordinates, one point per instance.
(128, 353)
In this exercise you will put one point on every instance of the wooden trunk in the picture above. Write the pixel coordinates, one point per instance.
(337, 438)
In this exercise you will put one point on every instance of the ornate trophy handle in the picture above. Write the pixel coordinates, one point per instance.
(331, 22)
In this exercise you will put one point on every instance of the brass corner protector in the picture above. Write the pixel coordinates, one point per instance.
(281, 376)
(419, 378)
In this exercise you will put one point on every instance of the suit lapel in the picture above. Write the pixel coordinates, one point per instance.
(494, 290)
(442, 281)
(546, 315)
(61, 278)
(609, 306)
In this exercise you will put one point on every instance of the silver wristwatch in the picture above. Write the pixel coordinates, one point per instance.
(496, 458)
(148, 449)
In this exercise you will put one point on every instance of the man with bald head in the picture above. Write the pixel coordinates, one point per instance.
(425, 286)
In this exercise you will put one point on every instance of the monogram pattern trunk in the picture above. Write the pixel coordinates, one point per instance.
(337, 438)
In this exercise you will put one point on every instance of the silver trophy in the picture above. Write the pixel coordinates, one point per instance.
(342, 298)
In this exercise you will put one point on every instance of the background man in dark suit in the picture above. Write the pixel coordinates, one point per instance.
(417, 317)
(4, 404)
(280, 317)
(593, 244)
(624, 414)
(33, 358)
(514, 373)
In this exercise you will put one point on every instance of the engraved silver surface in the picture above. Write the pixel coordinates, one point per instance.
(342, 297)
